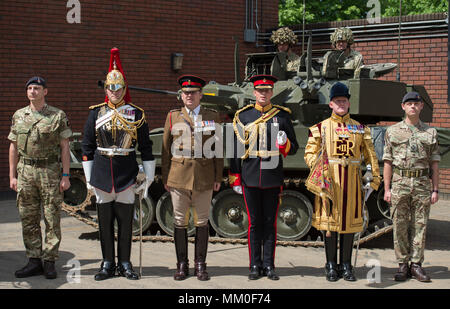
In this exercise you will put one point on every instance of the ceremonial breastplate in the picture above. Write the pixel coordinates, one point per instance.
(115, 128)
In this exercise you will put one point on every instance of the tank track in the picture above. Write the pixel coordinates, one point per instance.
(79, 213)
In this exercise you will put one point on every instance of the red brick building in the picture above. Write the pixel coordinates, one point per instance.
(37, 39)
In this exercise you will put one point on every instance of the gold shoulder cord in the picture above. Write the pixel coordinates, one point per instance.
(251, 129)
(98, 105)
(237, 121)
(286, 109)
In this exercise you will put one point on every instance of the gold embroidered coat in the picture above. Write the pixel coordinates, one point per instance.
(346, 146)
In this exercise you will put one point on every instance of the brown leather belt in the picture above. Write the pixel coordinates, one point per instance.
(40, 162)
(411, 172)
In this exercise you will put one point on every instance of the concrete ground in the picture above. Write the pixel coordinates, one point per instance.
(298, 267)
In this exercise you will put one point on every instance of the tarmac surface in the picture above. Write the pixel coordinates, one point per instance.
(298, 267)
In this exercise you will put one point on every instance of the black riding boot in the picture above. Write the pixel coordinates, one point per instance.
(105, 213)
(124, 214)
(331, 267)
(181, 249)
(201, 248)
(345, 256)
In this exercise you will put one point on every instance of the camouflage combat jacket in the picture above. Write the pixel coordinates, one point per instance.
(411, 147)
(293, 62)
(354, 60)
(38, 134)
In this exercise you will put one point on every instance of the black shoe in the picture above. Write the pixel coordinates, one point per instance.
(107, 270)
(331, 271)
(125, 269)
(255, 272)
(49, 270)
(347, 272)
(269, 271)
(33, 268)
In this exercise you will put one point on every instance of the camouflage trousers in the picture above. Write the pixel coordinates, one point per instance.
(37, 190)
(411, 202)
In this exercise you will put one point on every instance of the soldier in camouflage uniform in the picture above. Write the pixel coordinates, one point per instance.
(39, 142)
(411, 149)
(285, 39)
(341, 40)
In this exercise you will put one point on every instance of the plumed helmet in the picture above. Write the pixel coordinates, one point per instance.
(284, 35)
(115, 79)
(342, 34)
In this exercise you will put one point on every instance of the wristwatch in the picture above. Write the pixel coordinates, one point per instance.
(437, 191)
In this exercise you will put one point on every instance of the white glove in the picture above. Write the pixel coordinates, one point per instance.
(149, 170)
(237, 189)
(368, 189)
(281, 138)
(87, 168)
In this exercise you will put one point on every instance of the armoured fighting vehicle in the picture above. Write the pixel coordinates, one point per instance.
(306, 93)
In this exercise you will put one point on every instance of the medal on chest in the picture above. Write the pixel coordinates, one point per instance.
(204, 126)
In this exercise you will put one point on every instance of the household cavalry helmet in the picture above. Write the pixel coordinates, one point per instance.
(284, 35)
(115, 79)
(342, 34)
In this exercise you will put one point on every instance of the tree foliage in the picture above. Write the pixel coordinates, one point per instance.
(291, 11)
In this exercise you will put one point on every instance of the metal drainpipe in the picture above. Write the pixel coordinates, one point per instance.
(448, 58)
(398, 42)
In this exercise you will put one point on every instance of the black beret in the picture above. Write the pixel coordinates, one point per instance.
(411, 96)
(36, 80)
(339, 90)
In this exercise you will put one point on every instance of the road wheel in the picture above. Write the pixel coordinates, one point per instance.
(148, 214)
(294, 216)
(77, 197)
(228, 215)
(164, 215)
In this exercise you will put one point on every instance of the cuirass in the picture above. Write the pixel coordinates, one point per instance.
(115, 127)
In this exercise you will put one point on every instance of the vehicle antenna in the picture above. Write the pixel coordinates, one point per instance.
(303, 32)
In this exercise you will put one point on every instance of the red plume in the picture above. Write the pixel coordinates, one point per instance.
(115, 57)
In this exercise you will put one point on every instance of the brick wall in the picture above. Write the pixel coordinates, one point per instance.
(422, 62)
(36, 39)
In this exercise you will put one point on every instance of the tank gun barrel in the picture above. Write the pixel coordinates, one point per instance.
(101, 84)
